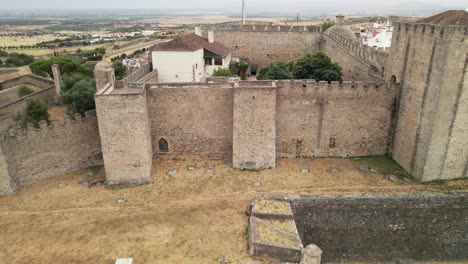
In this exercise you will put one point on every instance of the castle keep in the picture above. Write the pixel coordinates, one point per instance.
(410, 103)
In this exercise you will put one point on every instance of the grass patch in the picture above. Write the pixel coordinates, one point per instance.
(383, 164)
(436, 183)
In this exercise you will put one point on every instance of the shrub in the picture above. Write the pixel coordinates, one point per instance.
(317, 66)
(276, 71)
(24, 90)
(36, 110)
(222, 72)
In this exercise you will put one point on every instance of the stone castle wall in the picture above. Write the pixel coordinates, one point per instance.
(311, 119)
(359, 62)
(431, 63)
(26, 79)
(333, 120)
(387, 227)
(254, 142)
(54, 150)
(16, 106)
(192, 118)
(267, 44)
(124, 128)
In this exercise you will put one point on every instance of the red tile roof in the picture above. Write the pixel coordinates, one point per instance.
(192, 42)
(451, 17)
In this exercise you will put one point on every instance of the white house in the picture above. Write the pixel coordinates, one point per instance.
(383, 39)
(189, 58)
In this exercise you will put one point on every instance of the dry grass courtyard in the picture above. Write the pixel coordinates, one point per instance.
(193, 217)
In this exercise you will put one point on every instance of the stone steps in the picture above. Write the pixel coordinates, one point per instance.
(273, 232)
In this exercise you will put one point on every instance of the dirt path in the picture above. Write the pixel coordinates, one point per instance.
(193, 217)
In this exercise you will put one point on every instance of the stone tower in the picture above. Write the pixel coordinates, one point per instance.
(104, 74)
(339, 20)
(430, 62)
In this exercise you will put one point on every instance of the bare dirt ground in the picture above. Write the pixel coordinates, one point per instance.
(192, 217)
(19, 72)
(58, 112)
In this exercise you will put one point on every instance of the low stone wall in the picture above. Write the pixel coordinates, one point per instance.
(26, 79)
(49, 151)
(47, 93)
(384, 227)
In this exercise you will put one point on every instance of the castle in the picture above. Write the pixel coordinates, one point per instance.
(409, 103)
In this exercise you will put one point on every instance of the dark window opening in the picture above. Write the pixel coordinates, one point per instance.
(218, 61)
(208, 61)
(393, 79)
(163, 146)
(253, 70)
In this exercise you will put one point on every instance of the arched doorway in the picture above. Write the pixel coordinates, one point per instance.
(163, 146)
(393, 79)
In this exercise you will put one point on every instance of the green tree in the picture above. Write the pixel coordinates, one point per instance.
(78, 93)
(327, 24)
(222, 72)
(317, 66)
(36, 110)
(119, 69)
(24, 90)
(67, 66)
(242, 68)
(276, 71)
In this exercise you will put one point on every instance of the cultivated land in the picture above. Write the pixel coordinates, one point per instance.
(6, 41)
(193, 217)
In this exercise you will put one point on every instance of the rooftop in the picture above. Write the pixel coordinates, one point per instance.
(451, 17)
(192, 42)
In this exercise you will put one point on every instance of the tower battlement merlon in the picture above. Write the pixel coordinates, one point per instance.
(54, 125)
(269, 28)
(431, 28)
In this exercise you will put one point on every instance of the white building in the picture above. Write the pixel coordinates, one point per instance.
(382, 40)
(189, 58)
(147, 33)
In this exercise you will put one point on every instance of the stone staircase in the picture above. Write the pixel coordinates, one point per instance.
(273, 232)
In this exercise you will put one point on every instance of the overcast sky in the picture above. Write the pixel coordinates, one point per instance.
(214, 4)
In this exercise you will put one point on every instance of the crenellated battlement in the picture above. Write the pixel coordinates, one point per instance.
(375, 59)
(90, 119)
(430, 28)
(270, 28)
(321, 86)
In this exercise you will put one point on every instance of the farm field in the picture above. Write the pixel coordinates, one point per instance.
(6, 41)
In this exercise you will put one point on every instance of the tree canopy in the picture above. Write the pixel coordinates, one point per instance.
(276, 71)
(36, 110)
(119, 69)
(67, 66)
(327, 24)
(78, 93)
(242, 68)
(317, 66)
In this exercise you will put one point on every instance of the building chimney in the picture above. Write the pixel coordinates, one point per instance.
(339, 20)
(57, 78)
(243, 12)
(198, 31)
(211, 36)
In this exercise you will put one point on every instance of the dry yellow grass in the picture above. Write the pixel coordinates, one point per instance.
(19, 72)
(6, 41)
(193, 217)
(272, 236)
(272, 207)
